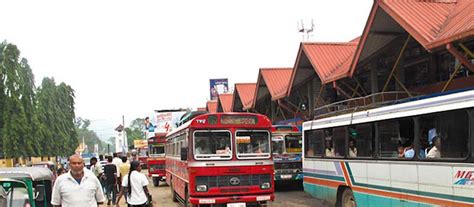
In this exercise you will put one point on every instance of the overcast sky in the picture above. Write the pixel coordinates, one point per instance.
(132, 57)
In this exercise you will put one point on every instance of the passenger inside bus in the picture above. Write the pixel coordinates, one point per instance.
(329, 152)
(202, 148)
(409, 152)
(435, 141)
(352, 148)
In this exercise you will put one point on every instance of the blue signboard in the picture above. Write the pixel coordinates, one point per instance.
(218, 86)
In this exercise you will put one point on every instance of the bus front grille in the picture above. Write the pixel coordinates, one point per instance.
(225, 180)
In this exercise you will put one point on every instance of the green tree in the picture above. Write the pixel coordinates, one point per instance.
(46, 111)
(68, 133)
(31, 140)
(90, 137)
(135, 130)
(2, 99)
(15, 122)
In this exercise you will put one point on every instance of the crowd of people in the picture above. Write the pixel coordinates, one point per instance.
(118, 178)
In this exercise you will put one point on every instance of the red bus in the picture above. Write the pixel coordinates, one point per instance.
(221, 159)
(156, 158)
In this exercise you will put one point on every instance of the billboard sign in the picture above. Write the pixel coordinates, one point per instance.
(165, 121)
(218, 86)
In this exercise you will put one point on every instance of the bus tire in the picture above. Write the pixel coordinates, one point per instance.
(156, 182)
(346, 198)
(173, 193)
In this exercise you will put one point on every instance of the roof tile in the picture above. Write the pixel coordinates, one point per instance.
(225, 101)
(276, 80)
(211, 106)
(246, 93)
(331, 61)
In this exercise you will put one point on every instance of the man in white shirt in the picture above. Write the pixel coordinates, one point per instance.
(78, 187)
(117, 162)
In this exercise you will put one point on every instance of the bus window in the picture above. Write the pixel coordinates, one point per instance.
(395, 138)
(293, 143)
(212, 145)
(361, 140)
(277, 144)
(444, 135)
(335, 142)
(313, 143)
(251, 144)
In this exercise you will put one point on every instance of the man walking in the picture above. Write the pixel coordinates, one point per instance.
(110, 172)
(78, 187)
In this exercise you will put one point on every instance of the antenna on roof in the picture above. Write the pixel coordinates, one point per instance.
(305, 30)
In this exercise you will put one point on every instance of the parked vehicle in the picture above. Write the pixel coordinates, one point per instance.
(26, 186)
(46, 164)
(286, 149)
(221, 159)
(414, 152)
(156, 159)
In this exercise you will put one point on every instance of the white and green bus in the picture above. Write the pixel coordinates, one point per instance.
(417, 152)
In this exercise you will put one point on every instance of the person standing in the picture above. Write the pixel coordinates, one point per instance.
(134, 187)
(117, 161)
(96, 168)
(78, 187)
(110, 172)
(124, 168)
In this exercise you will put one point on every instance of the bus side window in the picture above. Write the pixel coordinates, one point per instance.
(362, 138)
(452, 130)
(394, 137)
(335, 142)
(313, 143)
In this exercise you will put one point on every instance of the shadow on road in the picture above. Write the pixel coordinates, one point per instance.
(288, 186)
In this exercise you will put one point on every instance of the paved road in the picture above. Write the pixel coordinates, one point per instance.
(285, 196)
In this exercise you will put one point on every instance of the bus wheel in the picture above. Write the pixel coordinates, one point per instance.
(347, 198)
(173, 193)
(156, 182)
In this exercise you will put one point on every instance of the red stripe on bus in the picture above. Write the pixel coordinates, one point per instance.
(346, 174)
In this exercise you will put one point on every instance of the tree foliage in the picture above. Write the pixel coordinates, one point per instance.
(33, 122)
(135, 130)
(89, 136)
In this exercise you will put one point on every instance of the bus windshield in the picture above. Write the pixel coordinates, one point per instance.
(209, 145)
(293, 143)
(252, 144)
(157, 150)
(277, 144)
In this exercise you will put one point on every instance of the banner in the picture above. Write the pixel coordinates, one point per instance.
(140, 143)
(165, 121)
(218, 86)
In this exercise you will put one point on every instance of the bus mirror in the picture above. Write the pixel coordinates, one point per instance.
(184, 153)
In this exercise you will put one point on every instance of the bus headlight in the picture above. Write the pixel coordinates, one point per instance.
(201, 188)
(265, 185)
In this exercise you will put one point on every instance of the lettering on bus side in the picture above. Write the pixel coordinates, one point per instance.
(464, 177)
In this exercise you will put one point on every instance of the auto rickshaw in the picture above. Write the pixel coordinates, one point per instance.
(46, 164)
(26, 187)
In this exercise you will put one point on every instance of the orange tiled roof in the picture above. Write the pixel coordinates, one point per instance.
(276, 81)
(211, 106)
(331, 61)
(433, 23)
(225, 101)
(246, 93)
